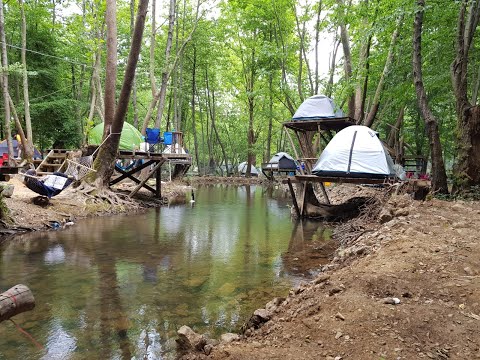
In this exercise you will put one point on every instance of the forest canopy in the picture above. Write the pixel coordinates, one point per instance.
(229, 73)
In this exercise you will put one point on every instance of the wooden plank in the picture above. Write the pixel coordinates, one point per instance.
(335, 179)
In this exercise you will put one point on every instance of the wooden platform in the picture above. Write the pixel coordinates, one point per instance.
(336, 179)
(334, 124)
(154, 161)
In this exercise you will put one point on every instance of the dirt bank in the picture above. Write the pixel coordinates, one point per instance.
(406, 289)
(71, 205)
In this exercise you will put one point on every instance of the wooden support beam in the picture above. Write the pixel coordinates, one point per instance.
(324, 192)
(294, 197)
(142, 184)
(128, 174)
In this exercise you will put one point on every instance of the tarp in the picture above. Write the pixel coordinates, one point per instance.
(317, 107)
(16, 148)
(129, 140)
(356, 151)
(281, 160)
(242, 169)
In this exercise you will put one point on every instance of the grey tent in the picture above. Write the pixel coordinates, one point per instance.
(281, 161)
(356, 151)
(317, 107)
(242, 169)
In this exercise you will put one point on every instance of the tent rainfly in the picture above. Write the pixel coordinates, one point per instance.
(356, 151)
(242, 169)
(129, 140)
(317, 107)
(281, 161)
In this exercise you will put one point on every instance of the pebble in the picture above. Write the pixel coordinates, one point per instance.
(340, 316)
(338, 335)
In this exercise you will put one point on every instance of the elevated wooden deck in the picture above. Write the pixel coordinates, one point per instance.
(333, 124)
(337, 179)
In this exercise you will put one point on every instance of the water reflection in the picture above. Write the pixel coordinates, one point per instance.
(120, 287)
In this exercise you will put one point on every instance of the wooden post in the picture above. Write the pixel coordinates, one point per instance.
(158, 182)
(324, 192)
(15, 300)
(294, 198)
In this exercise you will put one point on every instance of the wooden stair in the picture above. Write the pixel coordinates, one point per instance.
(52, 162)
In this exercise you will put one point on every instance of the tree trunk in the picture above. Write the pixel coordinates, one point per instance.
(194, 123)
(270, 117)
(386, 69)
(317, 39)
(439, 176)
(6, 105)
(111, 66)
(467, 167)
(134, 91)
(104, 163)
(348, 68)
(331, 69)
(28, 145)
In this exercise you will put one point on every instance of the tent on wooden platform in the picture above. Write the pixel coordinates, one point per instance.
(317, 107)
(130, 139)
(356, 151)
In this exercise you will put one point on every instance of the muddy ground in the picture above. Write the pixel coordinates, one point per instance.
(407, 288)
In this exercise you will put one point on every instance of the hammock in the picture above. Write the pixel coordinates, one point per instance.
(79, 168)
(49, 185)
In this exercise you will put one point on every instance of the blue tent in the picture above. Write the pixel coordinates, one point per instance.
(16, 148)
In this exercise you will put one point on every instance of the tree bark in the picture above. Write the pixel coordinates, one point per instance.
(111, 66)
(194, 123)
(6, 105)
(317, 39)
(134, 90)
(104, 163)
(347, 59)
(15, 300)
(439, 176)
(28, 146)
(467, 167)
(386, 70)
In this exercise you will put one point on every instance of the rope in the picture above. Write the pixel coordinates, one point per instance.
(30, 337)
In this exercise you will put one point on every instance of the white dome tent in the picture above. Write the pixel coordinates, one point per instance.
(356, 151)
(317, 107)
(281, 161)
(242, 169)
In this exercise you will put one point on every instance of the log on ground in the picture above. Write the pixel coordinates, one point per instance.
(15, 300)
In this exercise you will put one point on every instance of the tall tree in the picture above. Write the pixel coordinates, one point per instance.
(439, 176)
(104, 163)
(467, 167)
(111, 66)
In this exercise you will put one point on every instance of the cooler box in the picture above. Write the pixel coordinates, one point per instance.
(168, 138)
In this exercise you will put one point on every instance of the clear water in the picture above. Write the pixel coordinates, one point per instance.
(120, 287)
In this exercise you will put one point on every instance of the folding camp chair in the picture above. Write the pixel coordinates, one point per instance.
(153, 139)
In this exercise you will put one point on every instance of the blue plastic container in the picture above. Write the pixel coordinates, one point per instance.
(167, 138)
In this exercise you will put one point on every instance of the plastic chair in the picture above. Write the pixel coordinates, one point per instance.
(153, 138)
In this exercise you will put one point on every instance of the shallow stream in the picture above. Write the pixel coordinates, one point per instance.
(120, 287)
